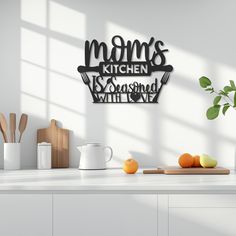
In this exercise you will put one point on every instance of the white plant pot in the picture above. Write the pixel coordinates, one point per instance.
(12, 156)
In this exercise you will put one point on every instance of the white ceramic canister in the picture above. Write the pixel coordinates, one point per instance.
(12, 156)
(44, 158)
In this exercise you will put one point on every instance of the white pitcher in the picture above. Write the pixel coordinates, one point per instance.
(93, 156)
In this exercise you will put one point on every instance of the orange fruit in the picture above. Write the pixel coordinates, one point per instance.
(130, 166)
(196, 161)
(186, 160)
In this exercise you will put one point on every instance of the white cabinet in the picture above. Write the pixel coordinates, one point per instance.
(205, 215)
(104, 214)
(117, 214)
(25, 215)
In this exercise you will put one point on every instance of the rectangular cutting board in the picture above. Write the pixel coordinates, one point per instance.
(174, 170)
(59, 138)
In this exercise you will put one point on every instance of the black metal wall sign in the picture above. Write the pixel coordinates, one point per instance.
(110, 80)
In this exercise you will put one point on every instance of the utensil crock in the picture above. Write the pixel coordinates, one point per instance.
(12, 156)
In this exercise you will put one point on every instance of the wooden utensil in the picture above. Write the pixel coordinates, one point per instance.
(174, 170)
(12, 127)
(3, 123)
(22, 125)
(59, 138)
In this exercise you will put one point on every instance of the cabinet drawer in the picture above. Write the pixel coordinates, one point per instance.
(202, 200)
(202, 221)
(25, 215)
(104, 214)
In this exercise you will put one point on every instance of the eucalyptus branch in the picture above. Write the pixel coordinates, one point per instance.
(230, 102)
(214, 110)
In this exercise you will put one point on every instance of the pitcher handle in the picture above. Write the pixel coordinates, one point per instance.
(111, 151)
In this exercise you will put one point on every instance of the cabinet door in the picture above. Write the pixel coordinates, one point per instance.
(104, 214)
(210, 215)
(25, 215)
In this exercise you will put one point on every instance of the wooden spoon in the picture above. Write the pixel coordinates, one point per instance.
(12, 127)
(22, 124)
(3, 123)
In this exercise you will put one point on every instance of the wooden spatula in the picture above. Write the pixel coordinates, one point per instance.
(3, 123)
(12, 127)
(22, 124)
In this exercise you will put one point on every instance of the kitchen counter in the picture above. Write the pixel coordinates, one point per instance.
(70, 201)
(112, 180)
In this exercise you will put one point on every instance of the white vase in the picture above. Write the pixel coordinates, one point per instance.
(12, 156)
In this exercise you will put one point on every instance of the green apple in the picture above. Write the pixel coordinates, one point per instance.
(207, 162)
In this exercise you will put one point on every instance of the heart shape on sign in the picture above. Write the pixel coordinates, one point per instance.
(135, 96)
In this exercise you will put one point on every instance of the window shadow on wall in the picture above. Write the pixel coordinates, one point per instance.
(52, 36)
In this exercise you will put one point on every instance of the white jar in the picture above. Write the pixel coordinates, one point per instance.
(44, 158)
(11, 156)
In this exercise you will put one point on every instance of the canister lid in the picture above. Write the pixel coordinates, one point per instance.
(44, 144)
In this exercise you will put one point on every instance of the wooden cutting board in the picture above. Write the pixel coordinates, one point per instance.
(174, 170)
(59, 138)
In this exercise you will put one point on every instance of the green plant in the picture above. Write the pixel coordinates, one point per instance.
(222, 99)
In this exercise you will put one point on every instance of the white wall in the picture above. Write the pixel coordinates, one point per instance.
(41, 45)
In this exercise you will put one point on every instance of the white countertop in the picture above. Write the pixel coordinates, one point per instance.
(112, 180)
